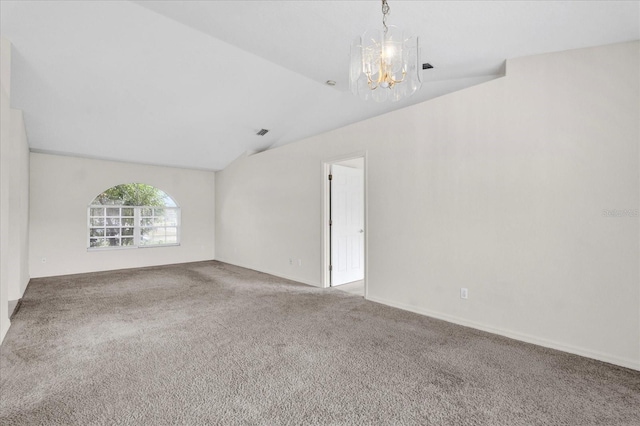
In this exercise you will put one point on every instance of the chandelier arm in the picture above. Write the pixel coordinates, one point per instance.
(404, 74)
(370, 83)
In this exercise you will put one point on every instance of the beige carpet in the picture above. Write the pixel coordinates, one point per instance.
(356, 287)
(208, 343)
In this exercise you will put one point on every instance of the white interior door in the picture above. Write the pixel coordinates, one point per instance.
(347, 224)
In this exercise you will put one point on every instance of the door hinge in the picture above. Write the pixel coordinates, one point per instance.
(331, 267)
(330, 223)
(330, 177)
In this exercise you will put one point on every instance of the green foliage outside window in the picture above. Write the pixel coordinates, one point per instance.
(133, 194)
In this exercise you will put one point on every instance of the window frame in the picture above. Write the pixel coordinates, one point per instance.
(137, 226)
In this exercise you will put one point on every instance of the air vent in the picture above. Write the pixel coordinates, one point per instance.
(262, 132)
(426, 66)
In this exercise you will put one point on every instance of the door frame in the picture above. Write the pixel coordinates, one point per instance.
(326, 214)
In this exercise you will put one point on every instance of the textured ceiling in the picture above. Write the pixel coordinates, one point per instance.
(189, 83)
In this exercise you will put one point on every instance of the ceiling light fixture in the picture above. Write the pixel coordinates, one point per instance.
(384, 63)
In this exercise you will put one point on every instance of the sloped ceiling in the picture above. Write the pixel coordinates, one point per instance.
(189, 83)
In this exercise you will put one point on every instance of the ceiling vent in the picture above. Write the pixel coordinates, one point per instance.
(426, 66)
(262, 132)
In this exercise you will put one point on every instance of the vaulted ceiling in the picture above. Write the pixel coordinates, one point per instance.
(189, 83)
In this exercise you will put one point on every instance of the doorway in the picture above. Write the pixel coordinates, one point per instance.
(345, 224)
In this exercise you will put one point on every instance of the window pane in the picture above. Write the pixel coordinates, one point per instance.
(127, 231)
(154, 235)
(127, 221)
(113, 232)
(146, 212)
(158, 212)
(146, 222)
(127, 241)
(171, 217)
(145, 238)
(98, 242)
(127, 212)
(97, 221)
(158, 236)
(113, 241)
(156, 240)
(113, 211)
(162, 236)
(113, 221)
(96, 232)
(97, 211)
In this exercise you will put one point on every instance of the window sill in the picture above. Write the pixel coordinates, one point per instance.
(89, 249)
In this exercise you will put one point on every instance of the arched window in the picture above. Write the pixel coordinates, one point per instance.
(133, 215)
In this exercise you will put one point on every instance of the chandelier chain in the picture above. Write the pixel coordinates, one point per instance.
(385, 12)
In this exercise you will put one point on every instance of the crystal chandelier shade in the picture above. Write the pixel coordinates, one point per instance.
(384, 63)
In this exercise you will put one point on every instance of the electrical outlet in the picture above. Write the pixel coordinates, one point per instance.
(464, 293)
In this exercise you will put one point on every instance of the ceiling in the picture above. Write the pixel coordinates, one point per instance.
(189, 83)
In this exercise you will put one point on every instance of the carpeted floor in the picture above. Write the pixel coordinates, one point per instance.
(209, 343)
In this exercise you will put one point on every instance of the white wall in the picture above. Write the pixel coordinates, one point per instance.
(62, 188)
(19, 208)
(499, 188)
(14, 198)
(5, 137)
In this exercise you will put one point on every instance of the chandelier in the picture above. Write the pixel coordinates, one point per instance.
(384, 63)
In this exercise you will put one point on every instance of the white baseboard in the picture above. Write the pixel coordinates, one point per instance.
(276, 274)
(623, 362)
